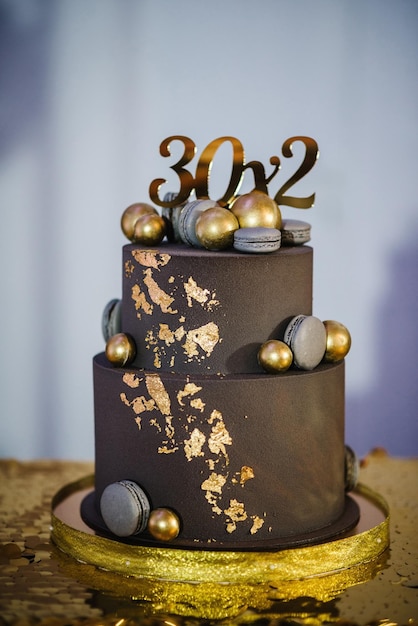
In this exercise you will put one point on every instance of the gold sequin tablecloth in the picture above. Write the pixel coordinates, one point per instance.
(41, 586)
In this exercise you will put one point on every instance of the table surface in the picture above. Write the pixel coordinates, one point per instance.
(37, 588)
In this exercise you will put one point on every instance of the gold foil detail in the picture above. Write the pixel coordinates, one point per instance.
(190, 389)
(257, 524)
(158, 295)
(149, 258)
(129, 268)
(206, 337)
(198, 404)
(193, 446)
(139, 404)
(166, 450)
(166, 335)
(235, 513)
(158, 392)
(246, 474)
(214, 483)
(141, 302)
(131, 380)
(153, 422)
(179, 333)
(199, 294)
(219, 437)
(157, 358)
(169, 428)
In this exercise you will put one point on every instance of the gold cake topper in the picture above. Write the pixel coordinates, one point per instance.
(200, 181)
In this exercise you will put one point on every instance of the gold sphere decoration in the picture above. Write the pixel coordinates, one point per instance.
(338, 341)
(132, 214)
(149, 230)
(256, 209)
(275, 356)
(163, 524)
(215, 228)
(120, 349)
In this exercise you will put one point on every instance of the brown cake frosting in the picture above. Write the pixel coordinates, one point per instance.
(246, 459)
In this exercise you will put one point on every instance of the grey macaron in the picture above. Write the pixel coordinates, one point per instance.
(125, 508)
(257, 240)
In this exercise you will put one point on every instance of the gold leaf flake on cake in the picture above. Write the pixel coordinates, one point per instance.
(166, 335)
(213, 490)
(169, 428)
(257, 524)
(199, 294)
(190, 389)
(210, 464)
(150, 258)
(157, 358)
(193, 446)
(193, 292)
(150, 339)
(158, 392)
(205, 337)
(152, 342)
(219, 436)
(138, 405)
(158, 295)
(214, 483)
(131, 380)
(179, 333)
(129, 268)
(153, 422)
(212, 499)
(246, 473)
(141, 302)
(166, 450)
(235, 513)
(198, 404)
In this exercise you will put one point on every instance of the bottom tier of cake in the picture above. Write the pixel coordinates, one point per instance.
(245, 462)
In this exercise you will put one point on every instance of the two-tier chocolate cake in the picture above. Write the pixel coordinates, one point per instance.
(219, 400)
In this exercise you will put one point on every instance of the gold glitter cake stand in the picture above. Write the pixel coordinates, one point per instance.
(42, 586)
(218, 584)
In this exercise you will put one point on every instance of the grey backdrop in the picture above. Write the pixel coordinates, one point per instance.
(89, 89)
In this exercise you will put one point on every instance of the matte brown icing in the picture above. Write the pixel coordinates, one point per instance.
(200, 312)
(246, 459)
(239, 458)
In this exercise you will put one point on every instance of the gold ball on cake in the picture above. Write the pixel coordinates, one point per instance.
(132, 214)
(163, 524)
(120, 349)
(275, 356)
(256, 209)
(215, 228)
(149, 230)
(338, 341)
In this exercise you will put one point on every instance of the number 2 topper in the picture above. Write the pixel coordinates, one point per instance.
(200, 182)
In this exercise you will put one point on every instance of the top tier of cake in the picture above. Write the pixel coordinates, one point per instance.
(195, 311)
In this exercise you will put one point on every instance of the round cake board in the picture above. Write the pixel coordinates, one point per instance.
(346, 522)
(215, 584)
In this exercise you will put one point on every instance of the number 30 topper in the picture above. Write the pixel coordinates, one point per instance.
(200, 182)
